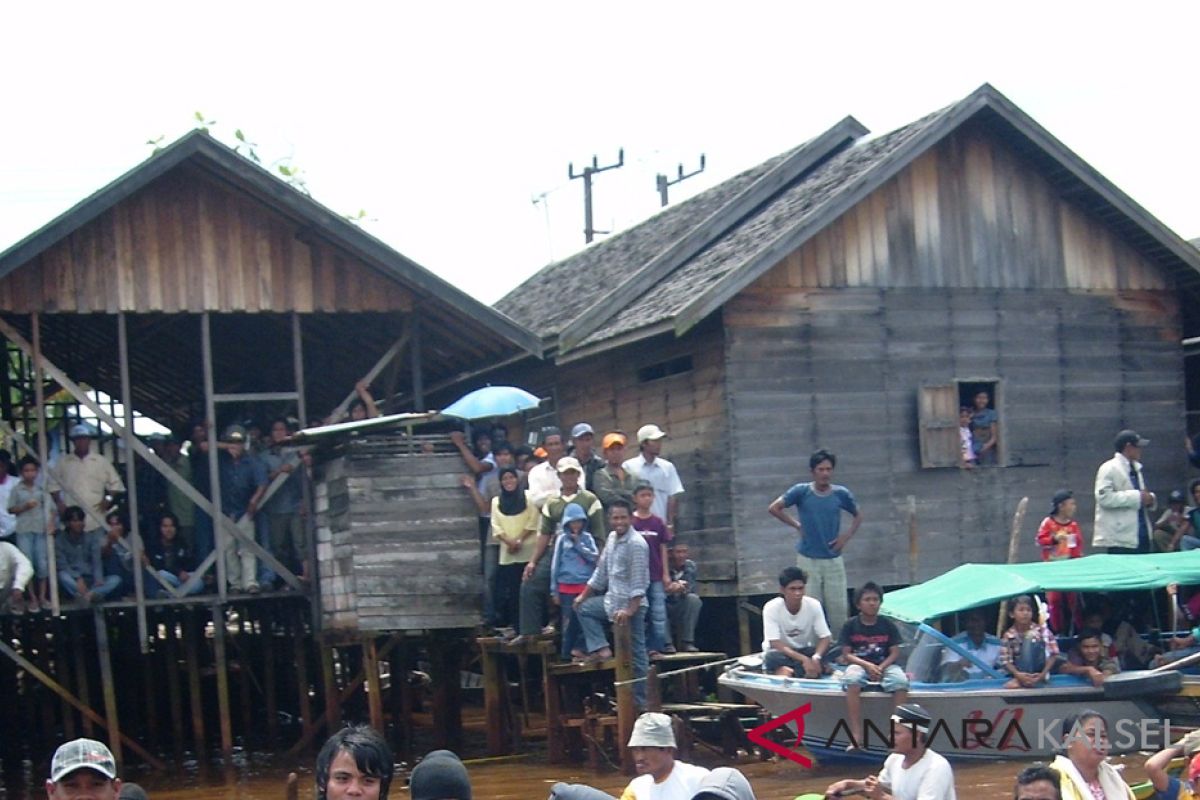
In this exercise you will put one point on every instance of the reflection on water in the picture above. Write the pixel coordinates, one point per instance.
(259, 777)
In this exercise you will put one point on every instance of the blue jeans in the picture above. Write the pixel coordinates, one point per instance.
(592, 616)
(109, 585)
(33, 545)
(572, 629)
(658, 633)
(173, 579)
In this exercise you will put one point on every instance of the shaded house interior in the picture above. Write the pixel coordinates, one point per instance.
(198, 230)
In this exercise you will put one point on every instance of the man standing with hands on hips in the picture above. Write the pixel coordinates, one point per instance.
(819, 505)
(1122, 500)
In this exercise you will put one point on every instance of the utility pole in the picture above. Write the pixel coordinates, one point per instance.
(590, 232)
(664, 183)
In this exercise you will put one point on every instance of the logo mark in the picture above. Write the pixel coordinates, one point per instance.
(759, 735)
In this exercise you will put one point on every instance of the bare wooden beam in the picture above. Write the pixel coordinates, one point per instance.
(222, 667)
(104, 653)
(220, 522)
(135, 530)
(371, 375)
(83, 708)
(214, 471)
(418, 377)
(298, 368)
(253, 397)
(43, 448)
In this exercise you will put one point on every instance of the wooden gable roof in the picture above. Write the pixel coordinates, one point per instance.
(733, 245)
(198, 227)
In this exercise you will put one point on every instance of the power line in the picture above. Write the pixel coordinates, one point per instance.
(589, 232)
(665, 183)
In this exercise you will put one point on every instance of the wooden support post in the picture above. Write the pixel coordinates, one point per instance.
(135, 532)
(245, 676)
(64, 662)
(418, 378)
(744, 644)
(222, 667)
(326, 718)
(445, 653)
(495, 690)
(333, 701)
(653, 689)
(192, 632)
(43, 449)
(626, 707)
(151, 687)
(214, 469)
(81, 672)
(300, 655)
(109, 688)
(374, 685)
(174, 686)
(115, 737)
(298, 369)
(554, 722)
(402, 696)
(266, 648)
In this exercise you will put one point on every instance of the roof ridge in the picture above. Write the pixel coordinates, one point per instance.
(794, 166)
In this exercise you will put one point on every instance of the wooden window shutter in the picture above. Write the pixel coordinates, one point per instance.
(938, 417)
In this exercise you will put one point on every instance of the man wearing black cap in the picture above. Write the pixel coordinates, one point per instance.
(912, 771)
(83, 768)
(440, 776)
(1122, 500)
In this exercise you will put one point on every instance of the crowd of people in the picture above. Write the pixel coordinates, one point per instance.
(573, 540)
(356, 763)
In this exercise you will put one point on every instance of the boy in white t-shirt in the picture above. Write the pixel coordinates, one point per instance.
(795, 634)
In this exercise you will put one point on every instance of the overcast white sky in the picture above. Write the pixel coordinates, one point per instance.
(445, 120)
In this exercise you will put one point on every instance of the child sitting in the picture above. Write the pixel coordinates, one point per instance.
(966, 446)
(571, 565)
(870, 646)
(1088, 659)
(1029, 651)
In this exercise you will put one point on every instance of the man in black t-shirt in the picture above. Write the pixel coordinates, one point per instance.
(870, 646)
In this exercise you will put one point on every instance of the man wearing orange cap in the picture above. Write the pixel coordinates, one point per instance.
(613, 481)
(1167, 787)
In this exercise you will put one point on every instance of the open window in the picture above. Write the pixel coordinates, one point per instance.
(938, 408)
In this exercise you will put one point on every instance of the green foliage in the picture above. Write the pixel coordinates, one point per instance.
(283, 168)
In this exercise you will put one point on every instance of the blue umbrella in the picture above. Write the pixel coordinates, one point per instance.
(491, 401)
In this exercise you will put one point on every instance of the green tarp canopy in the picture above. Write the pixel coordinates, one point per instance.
(974, 585)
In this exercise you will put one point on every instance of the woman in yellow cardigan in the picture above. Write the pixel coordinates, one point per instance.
(1082, 763)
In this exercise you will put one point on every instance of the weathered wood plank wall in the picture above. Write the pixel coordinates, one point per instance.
(604, 390)
(965, 265)
(188, 243)
(397, 541)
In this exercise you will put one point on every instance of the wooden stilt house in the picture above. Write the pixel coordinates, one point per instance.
(850, 294)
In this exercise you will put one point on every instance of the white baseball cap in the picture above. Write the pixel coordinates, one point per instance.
(82, 754)
(650, 433)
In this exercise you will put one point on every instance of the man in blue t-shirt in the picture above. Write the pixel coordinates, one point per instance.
(819, 505)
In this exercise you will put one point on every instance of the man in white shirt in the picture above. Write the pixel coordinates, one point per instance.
(544, 482)
(912, 771)
(658, 472)
(795, 634)
(91, 478)
(1122, 499)
(660, 776)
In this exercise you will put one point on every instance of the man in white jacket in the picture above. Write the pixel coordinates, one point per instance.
(15, 572)
(1122, 500)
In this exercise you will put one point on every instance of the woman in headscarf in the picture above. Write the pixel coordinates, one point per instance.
(514, 525)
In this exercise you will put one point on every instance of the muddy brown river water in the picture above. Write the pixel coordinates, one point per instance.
(531, 778)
